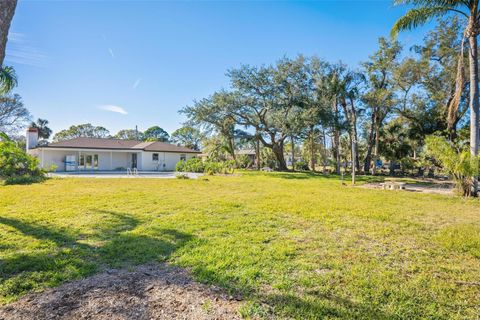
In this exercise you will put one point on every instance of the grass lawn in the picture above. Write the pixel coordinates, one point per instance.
(294, 245)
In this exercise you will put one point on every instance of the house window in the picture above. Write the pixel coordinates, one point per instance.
(155, 157)
(81, 161)
(183, 157)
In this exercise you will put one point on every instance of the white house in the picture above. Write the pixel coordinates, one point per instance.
(92, 154)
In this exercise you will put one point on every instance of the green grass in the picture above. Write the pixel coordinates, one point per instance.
(293, 245)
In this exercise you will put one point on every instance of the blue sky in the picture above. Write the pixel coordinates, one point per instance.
(78, 60)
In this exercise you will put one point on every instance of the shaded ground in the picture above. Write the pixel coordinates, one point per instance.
(122, 174)
(154, 291)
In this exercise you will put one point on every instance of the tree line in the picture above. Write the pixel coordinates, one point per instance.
(383, 109)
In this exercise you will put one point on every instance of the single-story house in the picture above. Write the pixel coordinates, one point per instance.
(90, 154)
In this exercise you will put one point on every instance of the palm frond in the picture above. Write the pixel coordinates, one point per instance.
(431, 3)
(417, 17)
(8, 79)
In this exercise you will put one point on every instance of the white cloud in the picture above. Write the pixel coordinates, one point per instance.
(111, 52)
(112, 108)
(136, 83)
(21, 51)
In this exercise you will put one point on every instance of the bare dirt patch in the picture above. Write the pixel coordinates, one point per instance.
(432, 186)
(147, 292)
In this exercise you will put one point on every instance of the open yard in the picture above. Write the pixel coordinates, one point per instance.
(290, 245)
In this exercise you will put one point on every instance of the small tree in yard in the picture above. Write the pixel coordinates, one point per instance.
(457, 162)
(16, 166)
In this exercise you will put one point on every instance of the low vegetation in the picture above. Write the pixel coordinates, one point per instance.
(17, 167)
(457, 162)
(208, 167)
(294, 245)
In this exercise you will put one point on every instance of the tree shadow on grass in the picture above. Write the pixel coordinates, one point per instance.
(320, 307)
(288, 305)
(321, 176)
(67, 254)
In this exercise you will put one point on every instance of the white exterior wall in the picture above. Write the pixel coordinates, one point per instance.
(170, 160)
(119, 159)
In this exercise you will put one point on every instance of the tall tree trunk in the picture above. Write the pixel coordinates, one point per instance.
(7, 10)
(368, 157)
(336, 137)
(354, 156)
(293, 152)
(312, 148)
(349, 118)
(277, 148)
(355, 137)
(377, 142)
(474, 102)
(324, 151)
(231, 146)
(257, 151)
(336, 150)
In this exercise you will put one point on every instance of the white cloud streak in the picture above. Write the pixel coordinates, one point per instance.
(111, 52)
(112, 108)
(136, 83)
(20, 51)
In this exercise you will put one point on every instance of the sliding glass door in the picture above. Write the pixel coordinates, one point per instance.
(88, 162)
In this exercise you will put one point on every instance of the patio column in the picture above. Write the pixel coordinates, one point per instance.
(111, 161)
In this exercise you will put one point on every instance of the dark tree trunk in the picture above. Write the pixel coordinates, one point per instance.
(277, 149)
(392, 168)
(7, 10)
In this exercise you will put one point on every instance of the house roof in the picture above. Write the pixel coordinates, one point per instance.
(117, 144)
(245, 151)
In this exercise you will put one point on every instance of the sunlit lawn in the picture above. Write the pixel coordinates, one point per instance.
(292, 245)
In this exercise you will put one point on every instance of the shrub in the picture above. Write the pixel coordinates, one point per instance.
(190, 165)
(207, 167)
(182, 176)
(301, 165)
(25, 179)
(244, 161)
(212, 167)
(180, 166)
(16, 164)
(456, 162)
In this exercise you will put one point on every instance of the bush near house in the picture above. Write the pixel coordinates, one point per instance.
(16, 166)
(190, 165)
(207, 167)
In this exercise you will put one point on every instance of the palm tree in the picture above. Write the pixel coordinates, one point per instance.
(44, 131)
(423, 11)
(8, 80)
